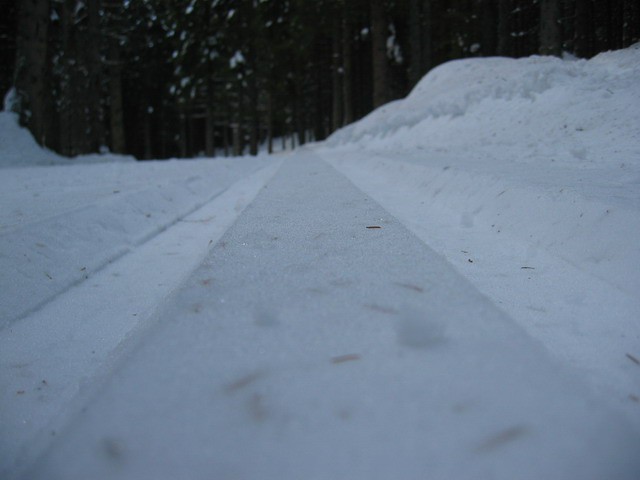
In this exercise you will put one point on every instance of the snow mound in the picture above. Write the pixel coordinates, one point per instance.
(19, 149)
(584, 105)
(17, 146)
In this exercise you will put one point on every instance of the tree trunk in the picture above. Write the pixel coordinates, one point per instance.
(550, 35)
(504, 28)
(238, 124)
(225, 134)
(583, 28)
(93, 54)
(298, 116)
(8, 35)
(602, 31)
(164, 132)
(379, 51)
(347, 67)
(320, 101)
(616, 20)
(426, 61)
(209, 140)
(65, 115)
(253, 92)
(209, 123)
(254, 122)
(269, 122)
(147, 133)
(253, 132)
(415, 42)
(237, 144)
(631, 22)
(336, 77)
(32, 72)
(183, 135)
(300, 126)
(488, 14)
(116, 111)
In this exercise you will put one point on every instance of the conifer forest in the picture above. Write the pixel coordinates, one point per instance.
(186, 78)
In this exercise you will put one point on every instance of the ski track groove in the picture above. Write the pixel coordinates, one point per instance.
(116, 256)
(125, 242)
(111, 353)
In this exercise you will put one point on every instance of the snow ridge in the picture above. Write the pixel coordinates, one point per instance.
(583, 107)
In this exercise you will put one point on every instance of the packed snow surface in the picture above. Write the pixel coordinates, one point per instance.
(446, 289)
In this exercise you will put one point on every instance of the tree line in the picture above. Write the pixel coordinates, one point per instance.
(180, 78)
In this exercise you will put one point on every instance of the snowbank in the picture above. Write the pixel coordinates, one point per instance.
(19, 149)
(541, 148)
(17, 146)
(564, 127)
(575, 111)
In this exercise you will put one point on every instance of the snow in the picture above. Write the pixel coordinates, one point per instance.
(18, 148)
(524, 110)
(445, 289)
(530, 169)
(93, 215)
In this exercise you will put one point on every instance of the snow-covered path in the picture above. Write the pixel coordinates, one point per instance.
(52, 359)
(320, 339)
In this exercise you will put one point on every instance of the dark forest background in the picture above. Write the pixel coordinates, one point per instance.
(180, 78)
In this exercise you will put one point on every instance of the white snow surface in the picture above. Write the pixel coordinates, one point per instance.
(446, 289)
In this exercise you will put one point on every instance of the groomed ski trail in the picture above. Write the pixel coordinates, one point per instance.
(322, 339)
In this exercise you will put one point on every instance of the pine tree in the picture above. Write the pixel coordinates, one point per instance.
(379, 51)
